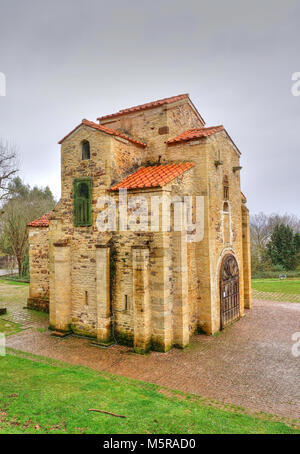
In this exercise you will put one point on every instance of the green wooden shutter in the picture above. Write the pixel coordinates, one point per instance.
(82, 202)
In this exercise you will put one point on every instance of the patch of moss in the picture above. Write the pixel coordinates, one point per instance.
(82, 332)
(159, 347)
(143, 351)
(124, 338)
(53, 328)
(200, 329)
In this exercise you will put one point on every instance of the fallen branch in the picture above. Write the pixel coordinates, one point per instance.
(107, 412)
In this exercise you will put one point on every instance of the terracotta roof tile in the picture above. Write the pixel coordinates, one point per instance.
(195, 134)
(40, 222)
(148, 105)
(110, 131)
(153, 176)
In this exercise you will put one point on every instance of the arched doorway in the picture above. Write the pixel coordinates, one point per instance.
(229, 290)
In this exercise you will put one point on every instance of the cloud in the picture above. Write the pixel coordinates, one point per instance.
(69, 60)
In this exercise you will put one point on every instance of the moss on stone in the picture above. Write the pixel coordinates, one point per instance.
(83, 332)
(200, 330)
(158, 346)
(143, 351)
(124, 338)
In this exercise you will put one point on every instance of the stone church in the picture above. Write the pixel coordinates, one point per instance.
(149, 288)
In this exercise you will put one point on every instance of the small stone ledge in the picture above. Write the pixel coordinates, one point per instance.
(61, 333)
(96, 343)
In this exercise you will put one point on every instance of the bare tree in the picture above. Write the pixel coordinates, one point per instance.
(18, 212)
(14, 232)
(260, 230)
(8, 168)
(286, 219)
(262, 227)
(25, 205)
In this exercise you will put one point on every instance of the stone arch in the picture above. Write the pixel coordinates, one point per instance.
(229, 283)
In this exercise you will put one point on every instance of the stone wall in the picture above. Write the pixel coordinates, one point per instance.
(39, 268)
(209, 253)
(156, 126)
(173, 301)
(145, 289)
(110, 161)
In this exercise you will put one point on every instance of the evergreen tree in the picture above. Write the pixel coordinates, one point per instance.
(297, 242)
(282, 247)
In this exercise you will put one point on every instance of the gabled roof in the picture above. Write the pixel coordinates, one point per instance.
(153, 176)
(148, 105)
(106, 130)
(192, 134)
(41, 222)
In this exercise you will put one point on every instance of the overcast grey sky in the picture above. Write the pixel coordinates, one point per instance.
(67, 60)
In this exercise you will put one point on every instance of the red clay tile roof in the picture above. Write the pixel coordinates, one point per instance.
(148, 105)
(195, 134)
(153, 176)
(110, 131)
(40, 222)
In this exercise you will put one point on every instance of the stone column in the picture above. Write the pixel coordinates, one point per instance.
(161, 276)
(246, 258)
(181, 335)
(60, 311)
(141, 300)
(103, 294)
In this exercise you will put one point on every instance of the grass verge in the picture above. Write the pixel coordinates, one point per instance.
(38, 395)
(288, 286)
(9, 327)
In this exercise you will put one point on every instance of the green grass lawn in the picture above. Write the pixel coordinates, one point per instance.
(6, 280)
(43, 396)
(290, 286)
(9, 327)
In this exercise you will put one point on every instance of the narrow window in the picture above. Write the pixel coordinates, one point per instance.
(226, 223)
(85, 149)
(82, 201)
(225, 187)
(126, 303)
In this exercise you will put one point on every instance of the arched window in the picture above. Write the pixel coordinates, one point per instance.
(225, 188)
(82, 195)
(85, 149)
(226, 207)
